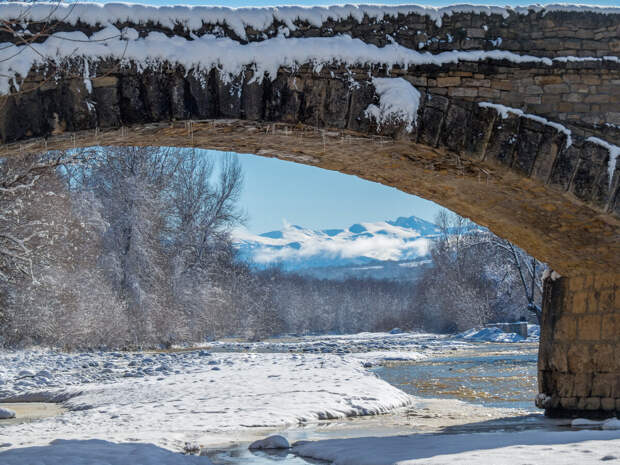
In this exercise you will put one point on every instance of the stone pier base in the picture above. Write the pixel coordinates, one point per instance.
(579, 357)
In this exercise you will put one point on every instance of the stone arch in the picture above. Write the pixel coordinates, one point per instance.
(464, 136)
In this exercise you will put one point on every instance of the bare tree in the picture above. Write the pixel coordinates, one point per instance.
(529, 270)
(21, 234)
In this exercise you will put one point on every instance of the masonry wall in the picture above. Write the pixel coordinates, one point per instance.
(579, 360)
(577, 94)
(538, 33)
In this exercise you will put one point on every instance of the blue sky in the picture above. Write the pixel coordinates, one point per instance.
(276, 190)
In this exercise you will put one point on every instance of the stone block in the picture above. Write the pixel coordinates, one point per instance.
(501, 84)
(432, 120)
(477, 82)
(455, 128)
(610, 327)
(566, 328)
(582, 386)
(565, 384)
(568, 403)
(584, 180)
(556, 88)
(528, 145)
(534, 90)
(463, 92)
(489, 93)
(480, 130)
(558, 361)
(503, 140)
(592, 403)
(608, 404)
(448, 81)
(548, 80)
(104, 81)
(579, 359)
(602, 385)
(564, 167)
(590, 80)
(589, 328)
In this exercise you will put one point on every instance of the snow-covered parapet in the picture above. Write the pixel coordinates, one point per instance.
(231, 57)
(261, 18)
(398, 101)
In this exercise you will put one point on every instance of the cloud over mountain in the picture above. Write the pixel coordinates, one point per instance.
(294, 247)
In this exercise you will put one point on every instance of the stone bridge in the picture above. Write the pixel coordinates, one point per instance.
(510, 117)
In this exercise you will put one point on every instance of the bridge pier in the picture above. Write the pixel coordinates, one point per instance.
(579, 355)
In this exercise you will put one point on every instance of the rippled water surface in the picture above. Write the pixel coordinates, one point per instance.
(491, 375)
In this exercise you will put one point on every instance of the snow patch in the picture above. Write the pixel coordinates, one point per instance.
(63, 452)
(398, 101)
(609, 424)
(505, 447)
(503, 110)
(187, 401)
(614, 151)
(489, 335)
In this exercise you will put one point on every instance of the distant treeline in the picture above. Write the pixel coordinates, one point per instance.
(130, 247)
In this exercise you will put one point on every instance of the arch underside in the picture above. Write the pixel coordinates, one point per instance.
(550, 223)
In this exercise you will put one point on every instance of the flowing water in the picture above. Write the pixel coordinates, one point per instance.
(490, 374)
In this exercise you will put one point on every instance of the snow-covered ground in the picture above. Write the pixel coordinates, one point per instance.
(150, 406)
(490, 334)
(170, 399)
(501, 448)
(361, 343)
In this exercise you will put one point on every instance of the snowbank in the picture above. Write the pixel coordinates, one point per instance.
(609, 424)
(369, 359)
(169, 399)
(505, 448)
(489, 335)
(61, 452)
(398, 101)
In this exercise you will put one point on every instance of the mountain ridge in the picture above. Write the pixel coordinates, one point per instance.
(339, 253)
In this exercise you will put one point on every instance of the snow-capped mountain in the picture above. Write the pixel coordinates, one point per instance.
(385, 249)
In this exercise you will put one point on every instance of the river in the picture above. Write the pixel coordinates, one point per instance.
(483, 387)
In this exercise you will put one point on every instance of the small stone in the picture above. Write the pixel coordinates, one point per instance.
(272, 442)
(6, 413)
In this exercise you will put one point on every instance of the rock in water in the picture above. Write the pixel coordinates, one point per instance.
(272, 442)
(6, 413)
